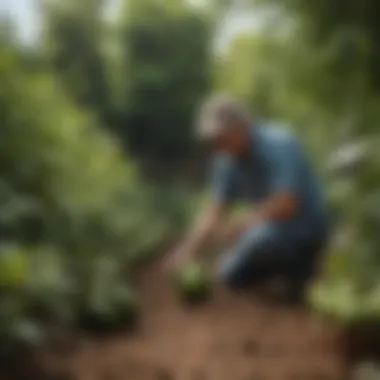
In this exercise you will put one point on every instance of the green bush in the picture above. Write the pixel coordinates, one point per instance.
(344, 301)
(75, 216)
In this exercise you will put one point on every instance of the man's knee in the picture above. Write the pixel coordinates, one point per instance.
(244, 263)
(250, 261)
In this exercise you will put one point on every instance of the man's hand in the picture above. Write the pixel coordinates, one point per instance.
(177, 259)
(233, 233)
(204, 227)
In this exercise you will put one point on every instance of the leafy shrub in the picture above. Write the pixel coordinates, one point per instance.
(74, 215)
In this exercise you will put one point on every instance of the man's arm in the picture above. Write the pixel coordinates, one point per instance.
(278, 207)
(204, 228)
(281, 206)
(215, 213)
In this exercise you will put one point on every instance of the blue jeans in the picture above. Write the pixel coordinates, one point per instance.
(269, 250)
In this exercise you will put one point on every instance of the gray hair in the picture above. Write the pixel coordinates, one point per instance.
(219, 113)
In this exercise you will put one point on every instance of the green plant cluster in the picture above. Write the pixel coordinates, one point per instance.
(75, 216)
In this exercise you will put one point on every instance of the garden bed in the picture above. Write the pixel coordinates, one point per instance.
(229, 337)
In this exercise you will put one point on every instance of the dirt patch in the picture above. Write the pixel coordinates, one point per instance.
(232, 337)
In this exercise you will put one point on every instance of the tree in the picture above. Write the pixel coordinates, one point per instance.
(166, 72)
(73, 37)
(324, 21)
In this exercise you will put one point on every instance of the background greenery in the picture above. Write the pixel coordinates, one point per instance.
(98, 165)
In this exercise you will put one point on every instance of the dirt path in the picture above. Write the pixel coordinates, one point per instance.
(230, 338)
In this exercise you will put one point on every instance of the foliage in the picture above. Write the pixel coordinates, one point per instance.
(72, 42)
(324, 86)
(166, 50)
(72, 204)
(143, 75)
(343, 301)
(75, 212)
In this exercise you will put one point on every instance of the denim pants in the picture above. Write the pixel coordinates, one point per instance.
(269, 250)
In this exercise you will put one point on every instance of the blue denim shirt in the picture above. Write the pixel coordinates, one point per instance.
(276, 164)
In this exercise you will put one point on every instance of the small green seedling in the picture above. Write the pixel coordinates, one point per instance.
(194, 283)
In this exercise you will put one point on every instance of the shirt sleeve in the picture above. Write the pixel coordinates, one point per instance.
(222, 179)
(284, 163)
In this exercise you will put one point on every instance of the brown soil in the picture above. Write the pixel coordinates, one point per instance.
(232, 337)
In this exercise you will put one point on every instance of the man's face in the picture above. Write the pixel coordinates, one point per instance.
(234, 141)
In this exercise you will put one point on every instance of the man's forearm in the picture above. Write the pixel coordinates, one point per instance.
(196, 239)
(204, 228)
(278, 208)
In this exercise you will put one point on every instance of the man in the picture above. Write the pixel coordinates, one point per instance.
(285, 225)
